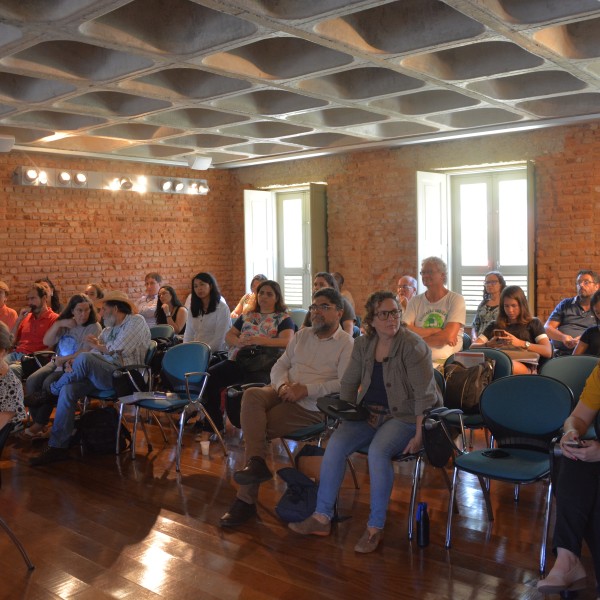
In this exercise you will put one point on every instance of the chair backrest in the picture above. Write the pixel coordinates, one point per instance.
(467, 341)
(440, 381)
(573, 371)
(503, 364)
(161, 331)
(298, 315)
(186, 358)
(150, 353)
(525, 410)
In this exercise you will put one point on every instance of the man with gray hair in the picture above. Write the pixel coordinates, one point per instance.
(407, 288)
(438, 315)
(312, 366)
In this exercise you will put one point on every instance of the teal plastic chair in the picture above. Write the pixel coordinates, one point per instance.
(523, 413)
(573, 371)
(186, 368)
(161, 331)
(298, 315)
(502, 368)
(467, 341)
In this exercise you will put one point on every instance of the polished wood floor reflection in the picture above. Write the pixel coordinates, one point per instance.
(105, 527)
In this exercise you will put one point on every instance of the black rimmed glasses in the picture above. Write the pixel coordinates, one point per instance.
(320, 307)
(384, 315)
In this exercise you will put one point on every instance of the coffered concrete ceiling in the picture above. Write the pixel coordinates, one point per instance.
(253, 81)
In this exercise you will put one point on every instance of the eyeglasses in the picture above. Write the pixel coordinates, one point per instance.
(384, 315)
(406, 287)
(320, 307)
(491, 282)
(585, 282)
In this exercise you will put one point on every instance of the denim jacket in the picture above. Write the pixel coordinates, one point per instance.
(407, 374)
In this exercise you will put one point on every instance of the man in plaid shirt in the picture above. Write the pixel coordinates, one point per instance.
(124, 341)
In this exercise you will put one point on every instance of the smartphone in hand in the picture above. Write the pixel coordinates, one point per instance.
(500, 333)
(575, 444)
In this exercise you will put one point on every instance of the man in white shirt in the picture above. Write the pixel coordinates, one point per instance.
(311, 367)
(124, 341)
(407, 288)
(438, 315)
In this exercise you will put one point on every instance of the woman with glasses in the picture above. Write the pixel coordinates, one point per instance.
(391, 375)
(170, 310)
(487, 311)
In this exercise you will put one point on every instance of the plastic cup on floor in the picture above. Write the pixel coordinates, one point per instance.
(205, 446)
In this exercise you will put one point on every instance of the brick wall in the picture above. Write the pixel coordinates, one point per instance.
(114, 238)
(372, 203)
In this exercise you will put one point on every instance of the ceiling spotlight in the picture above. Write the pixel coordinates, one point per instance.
(166, 185)
(80, 179)
(125, 183)
(31, 175)
(178, 186)
(43, 178)
(64, 177)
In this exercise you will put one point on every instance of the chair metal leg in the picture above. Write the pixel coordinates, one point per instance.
(485, 486)
(413, 495)
(121, 408)
(449, 486)
(289, 452)
(517, 490)
(546, 527)
(448, 543)
(17, 543)
(162, 429)
(179, 442)
(214, 427)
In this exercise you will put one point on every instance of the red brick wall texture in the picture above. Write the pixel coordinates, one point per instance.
(114, 238)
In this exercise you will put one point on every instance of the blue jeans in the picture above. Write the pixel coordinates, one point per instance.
(384, 443)
(90, 372)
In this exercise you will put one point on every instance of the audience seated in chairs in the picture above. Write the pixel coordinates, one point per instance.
(577, 496)
(406, 289)
(8, 315)
(312, 366)
(391, 374)
(68, 335)
(170, 310)
(53, 297)
(125, 341)
(326, 280)
(516, 329)
(247, 301)
(208, 319)
(11, 390)
(345, 292)
(572, 316)
(438, 315)
(267, 325)
(31, 326)
(487, 311)
(589, 342)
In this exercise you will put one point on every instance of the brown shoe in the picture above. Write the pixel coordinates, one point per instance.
(558, 582)
(311, 526)
(368, 541)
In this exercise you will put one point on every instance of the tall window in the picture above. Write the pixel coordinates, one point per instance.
(478, 222)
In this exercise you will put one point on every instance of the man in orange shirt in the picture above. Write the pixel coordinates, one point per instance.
(33, 322)
(7, 315)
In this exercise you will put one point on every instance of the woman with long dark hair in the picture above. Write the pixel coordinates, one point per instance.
(170, 310)
(267, 324)
(68, 335)
(208, 319)
(516, 329)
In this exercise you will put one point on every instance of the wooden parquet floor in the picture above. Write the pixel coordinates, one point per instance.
(99, 527)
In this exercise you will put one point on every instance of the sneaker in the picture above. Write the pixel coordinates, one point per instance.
(255, 471)
(239, 513)
(50, 455)
(311, 526)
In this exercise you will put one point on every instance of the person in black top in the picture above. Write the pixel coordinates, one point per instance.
(589, 343)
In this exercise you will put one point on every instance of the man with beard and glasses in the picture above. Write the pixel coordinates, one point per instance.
(311, 367)
(32, 324)
(572, 316)
(124, 341)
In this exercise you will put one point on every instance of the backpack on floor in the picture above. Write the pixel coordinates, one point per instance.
(98, 431)
(299, 500)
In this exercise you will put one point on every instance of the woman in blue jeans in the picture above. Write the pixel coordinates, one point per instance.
(391, 375)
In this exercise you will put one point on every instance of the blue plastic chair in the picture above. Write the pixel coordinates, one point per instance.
(186, 368)
(298, 315)
(523, 413)
(161, 331)
(573, 371)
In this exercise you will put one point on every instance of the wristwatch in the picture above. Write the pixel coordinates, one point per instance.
(527, 344)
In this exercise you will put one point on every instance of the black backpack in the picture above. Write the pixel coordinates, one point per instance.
(98, 431)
